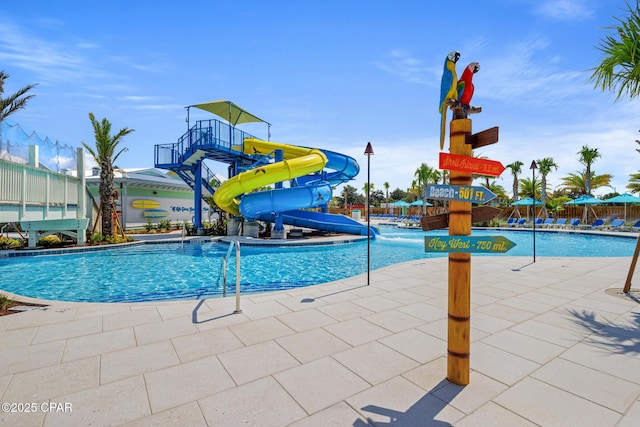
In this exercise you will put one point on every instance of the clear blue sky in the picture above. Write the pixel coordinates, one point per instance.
(332, 74)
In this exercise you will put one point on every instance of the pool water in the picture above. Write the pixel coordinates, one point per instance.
(174, 271)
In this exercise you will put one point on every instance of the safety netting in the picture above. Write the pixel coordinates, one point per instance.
(53, 155)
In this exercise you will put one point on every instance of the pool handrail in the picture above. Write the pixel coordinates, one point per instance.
(233, 244)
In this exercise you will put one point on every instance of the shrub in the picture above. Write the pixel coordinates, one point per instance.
(4, 301)
(49, 240)
(164, 224)
(9, 243)
(96, 238)
(148, 226)
(118, 239)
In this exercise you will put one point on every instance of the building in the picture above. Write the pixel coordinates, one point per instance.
(150, 195)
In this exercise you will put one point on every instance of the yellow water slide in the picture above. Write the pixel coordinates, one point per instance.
(298, 161)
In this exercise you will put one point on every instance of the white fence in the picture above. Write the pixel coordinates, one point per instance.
(28, 193)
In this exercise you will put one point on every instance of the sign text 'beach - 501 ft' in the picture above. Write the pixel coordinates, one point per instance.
(461, 193)
(490, 244)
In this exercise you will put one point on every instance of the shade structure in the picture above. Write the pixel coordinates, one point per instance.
(625, 198)
(419, 203)
(585, 200)
(229, 111)
(527, 201)
(400, 204)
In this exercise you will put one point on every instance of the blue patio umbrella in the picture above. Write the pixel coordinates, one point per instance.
(625, 198)
(527, 201)
(419, 203)
(585, 200)
(402, 205)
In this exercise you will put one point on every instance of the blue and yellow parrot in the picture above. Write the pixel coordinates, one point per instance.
(448, 89)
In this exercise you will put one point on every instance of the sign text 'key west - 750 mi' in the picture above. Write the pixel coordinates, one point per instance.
(487, 244)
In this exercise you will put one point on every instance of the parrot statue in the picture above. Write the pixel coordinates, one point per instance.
(448, 89)
(465, 84)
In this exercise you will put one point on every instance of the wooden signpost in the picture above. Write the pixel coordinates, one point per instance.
(456, 95)
(460, 244)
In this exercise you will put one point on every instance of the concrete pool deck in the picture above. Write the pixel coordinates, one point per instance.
(549, 347)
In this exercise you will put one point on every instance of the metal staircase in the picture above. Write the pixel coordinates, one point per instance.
(207, 139)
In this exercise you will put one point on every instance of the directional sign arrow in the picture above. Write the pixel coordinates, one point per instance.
(480, 139)
(477, 244)
(461, 193)
(478, 214)
(470, 164)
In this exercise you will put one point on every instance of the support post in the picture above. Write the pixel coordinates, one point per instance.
(632, 268)
(197, 197)
(459, 322)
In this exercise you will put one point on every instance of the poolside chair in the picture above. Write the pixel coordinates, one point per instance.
(598, 223)
(520, 222)
(635, 227)
(561, 222)
(511, 222)
(616, 224)
(548, 222)
(574, 223)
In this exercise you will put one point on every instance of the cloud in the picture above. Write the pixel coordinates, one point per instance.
(401, 64)
(565, 10)
(49, 61)
(523, 71)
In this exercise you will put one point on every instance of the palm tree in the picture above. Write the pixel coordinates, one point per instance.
(529, 188)
(587, 157)
(13, 102)
(619, 70)
(386, 186)
(516, 169)
(576, 183)
(425, 174)
(367, 188)
(105, 155)
(544, 167)
(634, 183)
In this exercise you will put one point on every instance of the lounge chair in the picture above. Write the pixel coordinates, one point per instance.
(537, 222)
(548, 222)
(636, 227)
(520, 222)
(561, 222)
(616, 224)
(598, 223)
(574, 223)
(511, 222)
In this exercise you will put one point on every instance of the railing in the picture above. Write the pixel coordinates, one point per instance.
(29, 193)
(211, 134)
(234, 244)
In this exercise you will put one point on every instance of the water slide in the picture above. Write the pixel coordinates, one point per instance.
(311, 187)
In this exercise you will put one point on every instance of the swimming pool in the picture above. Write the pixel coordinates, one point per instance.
(174, 271)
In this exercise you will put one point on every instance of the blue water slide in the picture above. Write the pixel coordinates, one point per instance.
(254, 205)
(310, 191)
(343, 169)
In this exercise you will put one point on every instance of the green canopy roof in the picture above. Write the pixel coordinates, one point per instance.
(229, 111)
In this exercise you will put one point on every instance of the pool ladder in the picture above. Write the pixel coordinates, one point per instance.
(233, 244)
